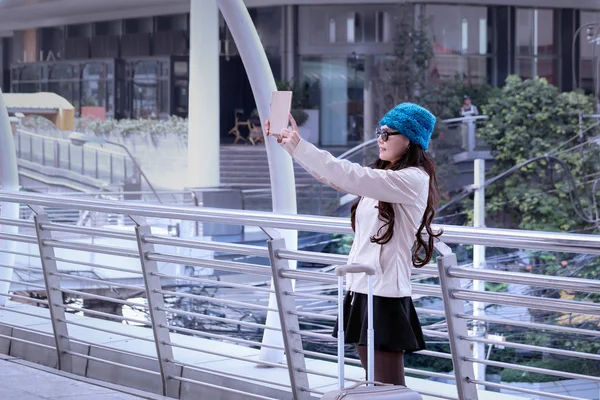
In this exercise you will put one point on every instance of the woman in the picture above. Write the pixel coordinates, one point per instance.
(398, 195)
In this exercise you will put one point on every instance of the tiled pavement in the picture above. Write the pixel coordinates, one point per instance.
(21, 382)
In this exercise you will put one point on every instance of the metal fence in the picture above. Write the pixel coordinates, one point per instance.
(197, 330)
(113, 167)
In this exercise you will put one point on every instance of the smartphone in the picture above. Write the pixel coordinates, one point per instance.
(281, 104)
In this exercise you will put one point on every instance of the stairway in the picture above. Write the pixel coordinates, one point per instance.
(246, 167)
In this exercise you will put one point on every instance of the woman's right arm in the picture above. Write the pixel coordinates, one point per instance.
(403, 186)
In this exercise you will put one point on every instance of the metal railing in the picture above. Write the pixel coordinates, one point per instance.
(112, 167)
(230, 305)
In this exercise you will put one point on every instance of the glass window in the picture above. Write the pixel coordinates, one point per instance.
(589, 49)
(459, 29)
(536, 33)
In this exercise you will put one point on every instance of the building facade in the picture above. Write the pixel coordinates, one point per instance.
(137, 66)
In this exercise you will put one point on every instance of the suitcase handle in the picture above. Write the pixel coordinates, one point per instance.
(372, 383)
(342, 270)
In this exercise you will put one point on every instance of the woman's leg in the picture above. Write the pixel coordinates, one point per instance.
(389, 365)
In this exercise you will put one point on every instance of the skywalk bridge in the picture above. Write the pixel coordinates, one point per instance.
(281, 352)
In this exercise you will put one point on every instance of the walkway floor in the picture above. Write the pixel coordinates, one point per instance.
(21, 382)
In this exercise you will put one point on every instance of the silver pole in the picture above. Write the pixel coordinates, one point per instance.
(479, 262)
(281, 169)
(9, 180)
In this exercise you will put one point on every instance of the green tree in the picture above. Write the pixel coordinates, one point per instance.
(531, 119)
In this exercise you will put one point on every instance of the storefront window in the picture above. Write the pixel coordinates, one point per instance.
(536, 42)
(460, 40)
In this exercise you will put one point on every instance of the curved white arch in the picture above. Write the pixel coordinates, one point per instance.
(9, 180)
(281, 170)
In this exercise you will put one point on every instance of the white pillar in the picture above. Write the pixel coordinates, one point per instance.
(283, 184)
(204, 115)
(368, 100)
(9, 180)
(479, 262)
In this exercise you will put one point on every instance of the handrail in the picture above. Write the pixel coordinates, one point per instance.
(67, 141)
(511, 238)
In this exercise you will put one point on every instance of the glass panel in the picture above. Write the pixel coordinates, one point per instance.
(269, 28)
(587, 75)
(32, 73)
(587, 47)
(474, 30)
(61, 71)
(93, 71)
(164, 97)
(525, 68)
(181, 69)
(93, 93)
(446, 28)
(29, 87)
(535, 32)
(547, 68)
(445, 66)
(370, 26)
(524, 31)
(64, 89)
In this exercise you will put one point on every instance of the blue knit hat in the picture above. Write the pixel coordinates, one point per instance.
(411, 120)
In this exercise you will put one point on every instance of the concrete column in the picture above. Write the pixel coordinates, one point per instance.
(203, 120)
(368, 99)
(479, 262)
(9, 180)
(283, 184)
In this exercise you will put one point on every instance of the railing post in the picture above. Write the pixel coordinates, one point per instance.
(290, 327)
(162, 338)
(55, 296)
(457, 328)
(97, 172)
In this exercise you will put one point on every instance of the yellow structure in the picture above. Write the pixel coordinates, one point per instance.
(48, 105)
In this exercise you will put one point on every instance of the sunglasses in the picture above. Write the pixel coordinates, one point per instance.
(384, 134)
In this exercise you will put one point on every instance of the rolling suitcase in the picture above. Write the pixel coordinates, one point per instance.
(372, 390)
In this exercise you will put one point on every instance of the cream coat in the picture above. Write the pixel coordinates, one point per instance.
(406, 189)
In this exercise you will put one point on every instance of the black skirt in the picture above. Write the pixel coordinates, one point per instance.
(395, 323)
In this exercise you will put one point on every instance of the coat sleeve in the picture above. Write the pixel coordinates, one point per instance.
(403, 186)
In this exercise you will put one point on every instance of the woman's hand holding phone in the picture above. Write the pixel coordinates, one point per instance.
(288, 139)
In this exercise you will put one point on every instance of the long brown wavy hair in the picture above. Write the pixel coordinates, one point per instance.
(415, 156)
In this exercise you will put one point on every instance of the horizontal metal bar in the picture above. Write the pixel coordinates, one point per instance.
(228, 373)
(540, 349)
(27, 269)
(221, 265)
(28, 329)
(522, 390)
(26, 284)
(528, 301)
(16, 296)
(95, 265)
(245, 359)
(327, 338)
(116, 364)
(546, 281)
(426, 290)
(216, 300)
(103, 314)
(313, 296)
(314, 315)
(17, 222)
(565, 242)
(17, 237)
(28, 342)
(20, 253)
(102, 281)
(220, 319)
(105, 347)
(437, 354)
(312, 256)
(215, 283)
(326, 375)
(222, 337)
(230, 390)
(206, 245)
(432, 333)
(92, 248)
(542, 371)
(106, 298)
(429, 373)
(108, 331)
(430, 311)
(86, 230)
(312, 276)
(14, 310)
(534, 325)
